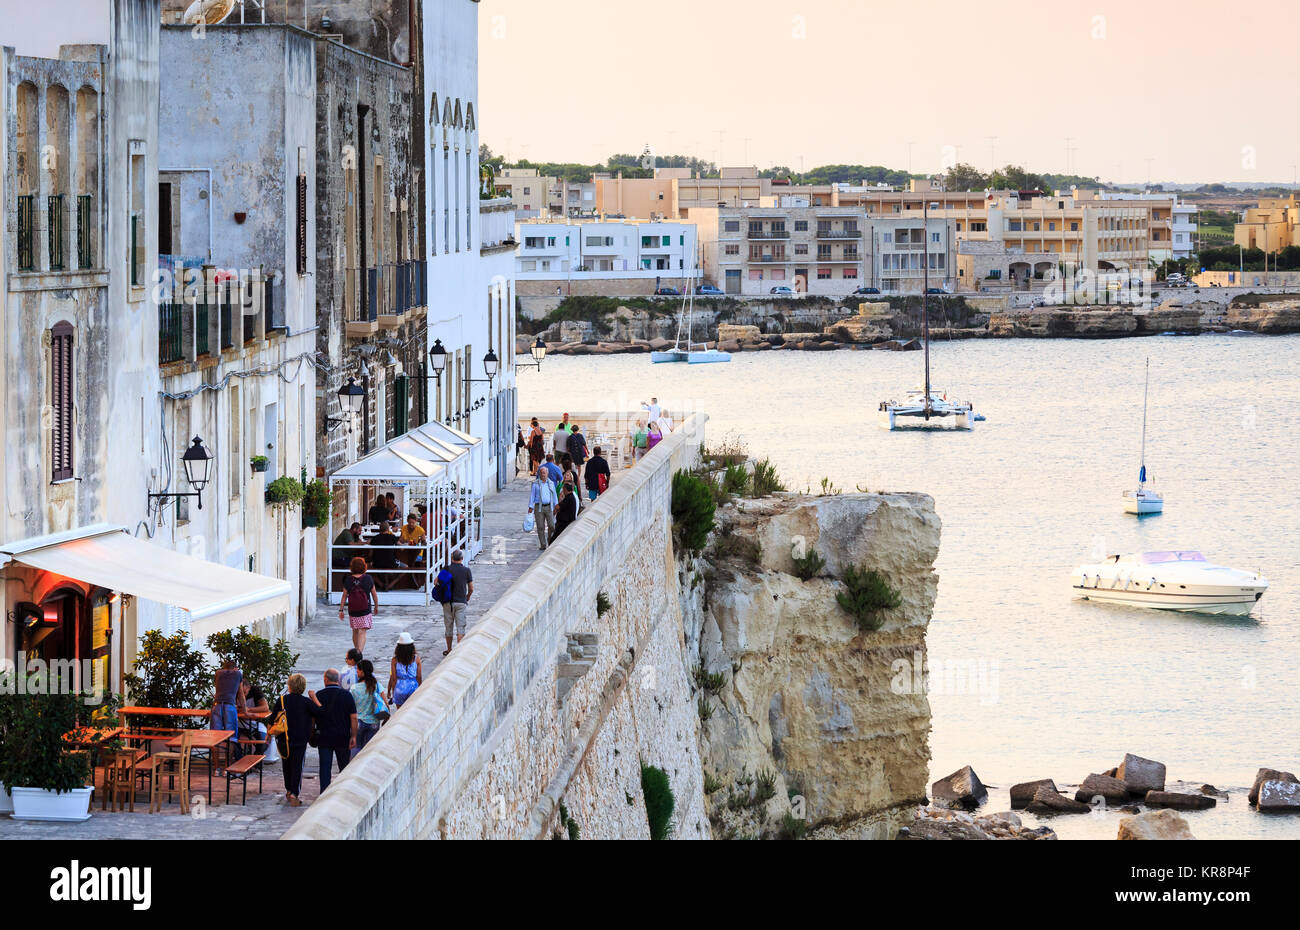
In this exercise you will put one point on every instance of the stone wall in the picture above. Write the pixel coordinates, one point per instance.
(488, 747)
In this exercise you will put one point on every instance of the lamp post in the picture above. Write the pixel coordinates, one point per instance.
(351, 396)
(197, 462)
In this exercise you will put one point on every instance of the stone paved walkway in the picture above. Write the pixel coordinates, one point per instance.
(507, 552)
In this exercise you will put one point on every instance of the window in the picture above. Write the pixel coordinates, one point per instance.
(934, 237)
(681, 241)
(1074, 227)
(978, 226)
(62, 408)
(778, 274)
(139, 237)
(731, 250)
(731, 226)
(800, 225)
(801, 248)
(301, 205)
(850, 272)
(756, 274)
(823, 274)
(668, 240)
(889, 237)
(528, 190)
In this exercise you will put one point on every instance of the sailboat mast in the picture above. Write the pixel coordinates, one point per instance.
(1146, 385)
(925, 306)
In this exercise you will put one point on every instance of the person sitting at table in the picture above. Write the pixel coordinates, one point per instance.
(412, 534)
(255, 703)
(299, 711)
(226, 703)
(384, 545)
(394, 515)
(350, 537)
(378, 512)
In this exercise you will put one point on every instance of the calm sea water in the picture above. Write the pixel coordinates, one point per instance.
(1068, 687)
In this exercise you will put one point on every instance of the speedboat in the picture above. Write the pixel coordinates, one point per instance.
(1173, 580)
(914, 413)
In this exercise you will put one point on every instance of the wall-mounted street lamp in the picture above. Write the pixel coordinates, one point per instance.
(197, 462)
(351, 396)
(538, 352)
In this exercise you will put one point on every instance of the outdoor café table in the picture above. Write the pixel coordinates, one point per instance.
(91, 738)
(204, 739)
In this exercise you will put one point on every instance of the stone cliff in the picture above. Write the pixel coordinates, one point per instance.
(805, 729)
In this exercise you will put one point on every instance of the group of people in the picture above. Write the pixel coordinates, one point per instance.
(384, 551)
(360, 600)
(553, 498)
(339, 719)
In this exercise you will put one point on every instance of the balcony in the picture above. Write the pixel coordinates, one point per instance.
(769, 234)
(769, 260)
(839, 234)
(54, 230)
(240, 311)
(85, 225)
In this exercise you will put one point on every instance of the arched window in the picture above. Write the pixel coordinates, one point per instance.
(62, 408)
(27, 144)
(87, 176)
(56, 155)
(470, 125)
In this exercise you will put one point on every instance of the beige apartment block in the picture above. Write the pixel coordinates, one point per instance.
(529, 191)
(1271, 226)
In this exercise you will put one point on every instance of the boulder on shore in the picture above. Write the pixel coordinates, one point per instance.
(1264, 775)
(1112, 789)
(659, 345)
(962, 790)
(1278, 796)
(1023, 793)
(1154, 825)
(1141, 775)
(1047, 801)
(1179, 801)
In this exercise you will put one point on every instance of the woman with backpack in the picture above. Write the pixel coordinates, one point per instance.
(370, 705)
(361, 600)
(406, 671)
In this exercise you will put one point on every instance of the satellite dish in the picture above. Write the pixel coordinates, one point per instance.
(647, 158)
(208, 12)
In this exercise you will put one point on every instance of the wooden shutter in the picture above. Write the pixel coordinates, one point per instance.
(61, 401)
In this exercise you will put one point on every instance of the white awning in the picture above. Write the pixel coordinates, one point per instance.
(215, 596)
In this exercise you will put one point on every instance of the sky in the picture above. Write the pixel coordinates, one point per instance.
(1179, 92)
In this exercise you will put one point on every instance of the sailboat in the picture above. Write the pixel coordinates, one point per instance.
(694, 353)
(931, 407)
(1144, 500)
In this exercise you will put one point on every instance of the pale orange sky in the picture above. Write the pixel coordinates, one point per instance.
(1198, 87)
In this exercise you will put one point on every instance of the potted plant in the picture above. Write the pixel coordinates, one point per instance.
(47, 780)
(6, 712)
(284, 492)
(315, 504)
(258, 462)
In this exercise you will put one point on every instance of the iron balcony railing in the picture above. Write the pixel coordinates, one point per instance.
(27, 232)
(769, 234)
(201, 340)
(54, 230)
(171, 345)
(839, 234)
(85, 223)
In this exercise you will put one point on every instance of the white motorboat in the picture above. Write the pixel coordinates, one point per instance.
(916, 414)
(1173, 580)
(1144, 500)
(927, 408)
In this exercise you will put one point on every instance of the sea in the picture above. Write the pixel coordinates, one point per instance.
(1026, 681)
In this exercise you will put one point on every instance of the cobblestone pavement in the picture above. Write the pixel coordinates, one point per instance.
(507, 552)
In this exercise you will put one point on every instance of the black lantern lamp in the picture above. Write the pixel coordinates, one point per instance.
(351, 396)
(197, 462)
(539, 352)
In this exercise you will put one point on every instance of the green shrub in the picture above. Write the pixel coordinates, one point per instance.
(316, 502)
(809, 565)
(866, 596)
(792, 827)
(659, 800)
(602, 603)
(693, 509)
(829, 489)
(263, 664)
(749, 551)
(169, 673)
(735, 479)
(712, 682)
(764, 787)
(285, 492)
(711, 784)
(36, 723)
(569, 824)
(765, 480)
(704, 708)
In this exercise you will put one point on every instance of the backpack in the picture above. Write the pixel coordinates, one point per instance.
(442, 587)
(358, 597)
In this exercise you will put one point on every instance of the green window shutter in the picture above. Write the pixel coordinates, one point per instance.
(668, 240)
(401, 406)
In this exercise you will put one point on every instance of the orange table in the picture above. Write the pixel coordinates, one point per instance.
(203, 739)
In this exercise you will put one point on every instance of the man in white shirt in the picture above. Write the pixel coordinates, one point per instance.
(652, 408)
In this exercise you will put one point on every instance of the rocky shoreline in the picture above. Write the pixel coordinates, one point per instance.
(1135, 784)
(881, 325)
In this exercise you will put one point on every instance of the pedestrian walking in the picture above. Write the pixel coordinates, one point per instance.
(567, 511)
(561, 438)
(406, 671)
(336, 728)
(536, 446)
(369, 703)
(640, 443)
(298, 711)
(349, 676)
(653, 435)
(596, 475)
(578, 446)
(541, 504)
(456, 611)
(652, 409)
(361, 601)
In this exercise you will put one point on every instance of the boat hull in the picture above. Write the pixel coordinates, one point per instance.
(668, 356)
(707, 356)
(906, 418)
(1232, 593)
(1142, 505)
(1238, 604)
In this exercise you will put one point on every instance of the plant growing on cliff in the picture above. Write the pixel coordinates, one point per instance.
(764, 787)
(734, 479)
(602, 603)
(866, 596)
(712, 682)
(711, 784)
(792, 827)
(765, 480)
(693, 509)
(659, 800)
(704, 708)
(808, 566)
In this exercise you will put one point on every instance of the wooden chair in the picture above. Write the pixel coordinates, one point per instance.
(119, 781)
(174, 766)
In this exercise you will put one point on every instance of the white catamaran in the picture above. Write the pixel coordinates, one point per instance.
(694, 353)
(929, 408)
(1144, 500)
